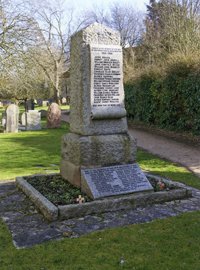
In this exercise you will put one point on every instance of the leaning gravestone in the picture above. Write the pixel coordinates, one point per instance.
(53, 116)
(31, 120)
(98, 150)
(12, 118)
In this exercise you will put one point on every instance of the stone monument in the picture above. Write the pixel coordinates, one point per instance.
(98, 153)
(12, 118)
(53, 116)
(31, 119)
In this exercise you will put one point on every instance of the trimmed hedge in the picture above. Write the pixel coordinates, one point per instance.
(168, 99)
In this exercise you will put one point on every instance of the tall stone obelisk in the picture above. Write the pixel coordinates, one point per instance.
(98, 135)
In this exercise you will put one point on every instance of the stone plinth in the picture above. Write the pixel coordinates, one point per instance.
(94, 151)
(98, 127)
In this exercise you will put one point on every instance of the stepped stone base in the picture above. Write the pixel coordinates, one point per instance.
(94, 151)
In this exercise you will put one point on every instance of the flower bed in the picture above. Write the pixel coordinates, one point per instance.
(57, 190)
(57, 199)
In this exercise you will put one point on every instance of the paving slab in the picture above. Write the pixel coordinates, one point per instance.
(28, 227)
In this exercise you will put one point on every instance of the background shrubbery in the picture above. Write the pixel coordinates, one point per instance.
(167, 97)
(163, 87)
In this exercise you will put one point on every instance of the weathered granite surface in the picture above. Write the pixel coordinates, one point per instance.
(98, 150)
(94, 151)
(99, 134)
(28, 227)
(80, 77)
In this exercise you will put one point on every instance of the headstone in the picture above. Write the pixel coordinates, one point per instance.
(31, 119)
(3, 120)
(30, 104)
(43, 113)
(64, 101)
(45, 103)
(12, 118)
(53, 116)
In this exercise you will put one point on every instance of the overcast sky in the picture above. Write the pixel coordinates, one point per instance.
(88, 4)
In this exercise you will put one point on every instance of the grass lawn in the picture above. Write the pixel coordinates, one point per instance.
(169, 244)
(30, 152)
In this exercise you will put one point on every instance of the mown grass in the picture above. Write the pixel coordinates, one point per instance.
(170, 244)
(30, 152)
(167, 169)
(173, 243)
(33, 152)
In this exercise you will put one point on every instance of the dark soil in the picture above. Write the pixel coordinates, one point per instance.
(60, 192)
(57, 190)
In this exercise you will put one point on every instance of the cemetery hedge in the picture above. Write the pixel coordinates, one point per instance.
(167, 97)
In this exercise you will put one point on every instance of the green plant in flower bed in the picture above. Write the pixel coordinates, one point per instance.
(56, 189)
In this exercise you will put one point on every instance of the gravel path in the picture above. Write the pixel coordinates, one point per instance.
(186, 155)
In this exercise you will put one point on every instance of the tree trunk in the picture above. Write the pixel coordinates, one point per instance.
(57, 82)
(56, 96)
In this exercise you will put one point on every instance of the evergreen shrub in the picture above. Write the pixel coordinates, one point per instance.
(167, 97)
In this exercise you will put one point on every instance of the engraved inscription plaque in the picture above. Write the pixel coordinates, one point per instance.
(114, 180)
(107, 93)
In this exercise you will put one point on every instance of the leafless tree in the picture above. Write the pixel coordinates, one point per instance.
(54, 27)
(15, 28)
(128, 21)
(121, 17)
(172, 26)
(96, 14)
(22, 79)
